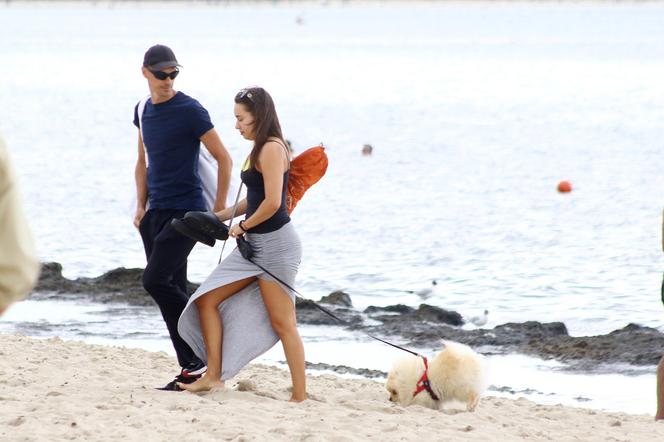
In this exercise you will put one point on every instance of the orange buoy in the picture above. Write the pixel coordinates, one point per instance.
(564, 187)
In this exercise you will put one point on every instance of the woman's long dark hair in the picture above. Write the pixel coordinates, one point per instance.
(266, 123)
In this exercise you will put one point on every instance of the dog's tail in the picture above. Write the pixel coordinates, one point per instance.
(462, 352)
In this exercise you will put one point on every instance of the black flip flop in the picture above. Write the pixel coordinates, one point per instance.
(186, 230)
(207, 223)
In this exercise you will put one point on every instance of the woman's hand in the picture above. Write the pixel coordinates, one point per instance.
(235, 231)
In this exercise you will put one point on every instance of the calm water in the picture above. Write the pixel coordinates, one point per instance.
(475, 112)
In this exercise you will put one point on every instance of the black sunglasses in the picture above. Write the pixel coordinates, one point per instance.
(161, 75)
(245, 93)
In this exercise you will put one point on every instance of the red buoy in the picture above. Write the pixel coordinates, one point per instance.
(564, 187)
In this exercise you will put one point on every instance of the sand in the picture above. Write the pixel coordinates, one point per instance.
(52, 390)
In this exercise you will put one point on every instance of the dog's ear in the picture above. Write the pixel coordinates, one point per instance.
(391, 386)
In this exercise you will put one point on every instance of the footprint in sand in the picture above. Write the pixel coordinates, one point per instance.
(246, 385)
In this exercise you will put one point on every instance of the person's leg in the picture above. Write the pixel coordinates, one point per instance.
(282, 316)
(167, 256)
(660, 390)
(211, 328)
(180, 278)
(147, 234)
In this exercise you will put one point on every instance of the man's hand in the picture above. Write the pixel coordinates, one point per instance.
(140, 213)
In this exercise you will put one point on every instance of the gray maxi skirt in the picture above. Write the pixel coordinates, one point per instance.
(247, 331)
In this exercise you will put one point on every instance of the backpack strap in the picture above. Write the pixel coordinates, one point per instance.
(140, 110)
(286, 150)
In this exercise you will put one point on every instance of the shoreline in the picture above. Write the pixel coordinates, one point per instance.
(421, 326)
(511, 376)
(63, 390)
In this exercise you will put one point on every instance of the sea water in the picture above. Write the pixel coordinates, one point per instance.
(475, 111)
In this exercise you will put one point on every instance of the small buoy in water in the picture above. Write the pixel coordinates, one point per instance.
(564, 187)
(367, 149)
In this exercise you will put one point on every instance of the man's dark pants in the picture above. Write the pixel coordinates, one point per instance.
(165, 275)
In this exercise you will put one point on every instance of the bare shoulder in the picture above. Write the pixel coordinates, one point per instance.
(274, 147)
(273, 153)
(274, 141)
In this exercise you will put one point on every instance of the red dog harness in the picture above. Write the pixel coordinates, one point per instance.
(423, 383)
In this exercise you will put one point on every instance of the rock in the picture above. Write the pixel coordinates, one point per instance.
(302, 304)
(337, 298)
(632, 344)
(343, 369)
(424, 327)
(398, 308)
(308, 312)
(50, 276)
(117, 285)
(436, 314)
(420, 319)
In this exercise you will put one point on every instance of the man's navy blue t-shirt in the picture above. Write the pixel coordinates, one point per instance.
(171, 135)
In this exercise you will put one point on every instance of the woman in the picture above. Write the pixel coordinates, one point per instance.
(239, 305)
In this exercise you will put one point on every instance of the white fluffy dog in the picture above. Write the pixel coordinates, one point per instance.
(455, 374)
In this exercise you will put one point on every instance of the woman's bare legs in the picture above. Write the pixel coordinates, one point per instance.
(211, 327)
(282, 316)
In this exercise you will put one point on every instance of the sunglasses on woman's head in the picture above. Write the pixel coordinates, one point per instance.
(161, 75)
(245, 93)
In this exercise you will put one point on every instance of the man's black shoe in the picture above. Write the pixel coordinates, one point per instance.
(195, 234)
(207, 223)
(194, 369)
(188, 375)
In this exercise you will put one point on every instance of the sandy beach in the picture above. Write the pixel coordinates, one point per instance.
(56, 390)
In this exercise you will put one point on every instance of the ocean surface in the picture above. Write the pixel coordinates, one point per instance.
(475, 111)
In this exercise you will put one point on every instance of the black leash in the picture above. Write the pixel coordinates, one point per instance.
(247, 252)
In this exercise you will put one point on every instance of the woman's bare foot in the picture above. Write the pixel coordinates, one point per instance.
(206, 383)
(297, 399)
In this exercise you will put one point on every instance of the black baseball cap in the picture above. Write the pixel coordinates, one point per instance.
(159, 57)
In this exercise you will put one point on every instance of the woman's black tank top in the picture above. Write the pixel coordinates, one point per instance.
(253, 179)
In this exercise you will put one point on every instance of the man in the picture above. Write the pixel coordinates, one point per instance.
(19, 265)
(171, 127)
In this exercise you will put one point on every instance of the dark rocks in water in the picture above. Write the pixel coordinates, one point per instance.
(632, 344)
(343, 369)
(117, 285)
(398, 308)
(337, 298)
(519, 332)
(308, 312)
(419, 333)
(304, 304)
(50, 276)
(126, 285)
(424, 327)
(440, 315)
(510, 390)
(424, 313)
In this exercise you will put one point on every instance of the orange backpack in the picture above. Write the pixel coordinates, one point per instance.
(305, 171)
